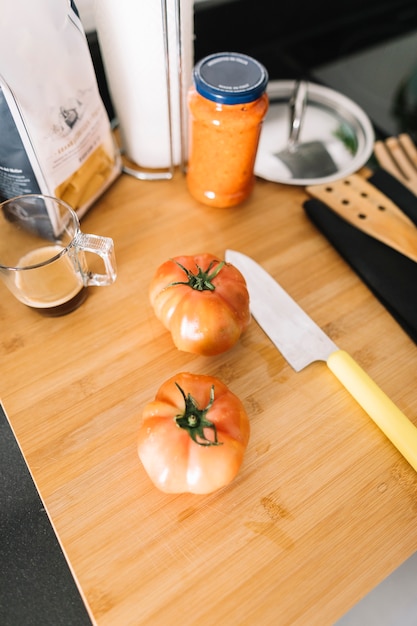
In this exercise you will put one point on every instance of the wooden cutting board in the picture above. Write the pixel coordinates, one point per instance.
(324, 507)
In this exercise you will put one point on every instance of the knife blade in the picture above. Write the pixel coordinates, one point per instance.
(301, 342)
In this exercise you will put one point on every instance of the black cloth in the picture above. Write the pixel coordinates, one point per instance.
(391, 276)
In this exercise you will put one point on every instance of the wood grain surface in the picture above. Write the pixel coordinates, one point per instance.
(324, 507)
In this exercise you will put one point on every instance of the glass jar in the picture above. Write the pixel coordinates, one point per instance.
(227, 105)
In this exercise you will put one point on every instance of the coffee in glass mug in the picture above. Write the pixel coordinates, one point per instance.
(42, 254)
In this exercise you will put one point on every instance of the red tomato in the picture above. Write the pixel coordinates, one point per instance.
(202, 301)
(194, 435)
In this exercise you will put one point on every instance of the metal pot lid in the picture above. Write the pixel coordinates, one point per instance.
(330, 117)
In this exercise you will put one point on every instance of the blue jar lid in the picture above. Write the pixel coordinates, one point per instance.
(230, 78)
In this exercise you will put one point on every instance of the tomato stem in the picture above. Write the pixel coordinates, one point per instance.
(194, 420)
(202, 280)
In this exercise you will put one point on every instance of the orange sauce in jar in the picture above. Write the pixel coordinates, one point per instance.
(226, 108)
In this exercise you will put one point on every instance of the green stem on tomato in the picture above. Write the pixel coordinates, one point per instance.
(201, 281)
(194, 420)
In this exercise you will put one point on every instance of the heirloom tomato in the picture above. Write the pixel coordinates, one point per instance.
(193, 436)
(202, 301)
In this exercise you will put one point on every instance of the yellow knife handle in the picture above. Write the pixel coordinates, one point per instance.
(386, 415)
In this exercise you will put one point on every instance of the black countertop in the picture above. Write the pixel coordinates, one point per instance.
(36, 584)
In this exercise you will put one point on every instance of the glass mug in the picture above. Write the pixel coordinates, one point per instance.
(42, 254)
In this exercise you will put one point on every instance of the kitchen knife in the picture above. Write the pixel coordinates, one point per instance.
(302, 342)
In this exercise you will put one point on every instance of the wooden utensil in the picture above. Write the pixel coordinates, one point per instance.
(369, 210)
(398, 155)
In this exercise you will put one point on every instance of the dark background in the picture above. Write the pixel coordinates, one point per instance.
(292, 38)
(295, 36)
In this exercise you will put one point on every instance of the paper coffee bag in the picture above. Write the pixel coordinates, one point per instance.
(55, 135)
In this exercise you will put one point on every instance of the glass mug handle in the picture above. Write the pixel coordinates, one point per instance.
(104, 248)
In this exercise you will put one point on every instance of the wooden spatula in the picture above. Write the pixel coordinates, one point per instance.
(368, 209)
(398, 156)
